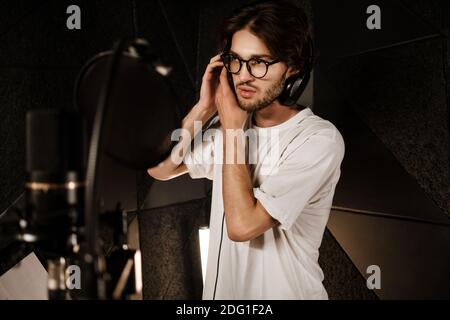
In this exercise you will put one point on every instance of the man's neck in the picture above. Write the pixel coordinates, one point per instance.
(273, 115)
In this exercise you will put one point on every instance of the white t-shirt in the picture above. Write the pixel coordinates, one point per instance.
(296, 189)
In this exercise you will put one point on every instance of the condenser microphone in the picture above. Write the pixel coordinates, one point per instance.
(54, 188)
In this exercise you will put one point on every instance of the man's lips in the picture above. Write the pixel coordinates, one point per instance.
(246, 92)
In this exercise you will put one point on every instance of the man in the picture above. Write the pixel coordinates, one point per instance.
(266, 226)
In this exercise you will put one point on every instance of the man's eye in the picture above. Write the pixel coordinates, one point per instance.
(255, 62)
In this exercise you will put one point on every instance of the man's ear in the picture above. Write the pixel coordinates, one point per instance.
(291, 71)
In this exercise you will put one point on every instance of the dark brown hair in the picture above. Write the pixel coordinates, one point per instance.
(281, 25)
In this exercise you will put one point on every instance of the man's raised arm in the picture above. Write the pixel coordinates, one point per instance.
(202, 111)
(169, 168)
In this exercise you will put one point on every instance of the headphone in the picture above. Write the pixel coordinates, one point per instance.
(296, 84)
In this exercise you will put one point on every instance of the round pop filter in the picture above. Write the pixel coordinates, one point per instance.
(141, 112)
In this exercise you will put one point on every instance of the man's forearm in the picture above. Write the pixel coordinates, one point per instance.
(197, 113)
(188, 132)
(246, 217)
(238, 198)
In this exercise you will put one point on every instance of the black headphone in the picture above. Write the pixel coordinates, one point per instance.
(296, 84)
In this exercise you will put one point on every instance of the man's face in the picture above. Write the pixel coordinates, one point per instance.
(252, 93)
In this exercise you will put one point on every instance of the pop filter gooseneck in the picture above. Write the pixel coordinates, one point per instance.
(96, 290)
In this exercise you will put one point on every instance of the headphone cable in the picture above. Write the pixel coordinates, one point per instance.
(218, 257)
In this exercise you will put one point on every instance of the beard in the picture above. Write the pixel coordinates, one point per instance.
(269, 96)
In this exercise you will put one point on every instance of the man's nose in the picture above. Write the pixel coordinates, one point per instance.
(244, 75)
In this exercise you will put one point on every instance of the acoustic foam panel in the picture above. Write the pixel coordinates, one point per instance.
(170, 251)
(400, 94)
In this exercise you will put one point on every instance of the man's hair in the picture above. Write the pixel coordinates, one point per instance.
(281, 25)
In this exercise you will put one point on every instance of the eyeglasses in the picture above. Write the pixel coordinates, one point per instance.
(256, 67)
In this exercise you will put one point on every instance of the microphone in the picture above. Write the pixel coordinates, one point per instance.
(126, 108)
(54, 188)
(54, 191)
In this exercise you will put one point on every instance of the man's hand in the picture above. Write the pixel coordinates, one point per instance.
(210, 82)
(231, 116)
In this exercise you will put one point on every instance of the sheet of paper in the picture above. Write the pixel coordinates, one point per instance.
(27, 280)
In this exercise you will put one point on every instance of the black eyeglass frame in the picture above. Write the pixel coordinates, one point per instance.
(241, 61)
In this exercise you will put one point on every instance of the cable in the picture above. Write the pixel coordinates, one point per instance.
(177, 44)
(135, 25)
(218, 257)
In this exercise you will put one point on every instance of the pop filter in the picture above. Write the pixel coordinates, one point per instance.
(142, 110)
(131, 111)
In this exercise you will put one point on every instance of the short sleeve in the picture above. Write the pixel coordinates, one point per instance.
(307, 170)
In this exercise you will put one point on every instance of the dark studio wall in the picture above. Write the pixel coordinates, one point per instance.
(394, 123)
(387, 91)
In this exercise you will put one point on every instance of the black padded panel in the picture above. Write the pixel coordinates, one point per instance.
(400, 94)
(171, 252)
(372, 178)
(342, 279)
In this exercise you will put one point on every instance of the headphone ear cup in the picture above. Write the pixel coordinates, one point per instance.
(293, 89)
